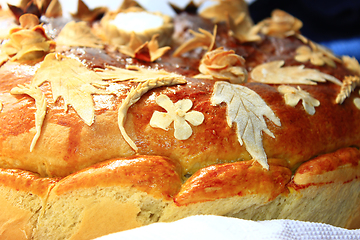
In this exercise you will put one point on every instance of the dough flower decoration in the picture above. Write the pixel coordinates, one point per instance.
(179, 114)
(348, 86)
(292, 97)
(316, 54)
(352, 64)
(202, 39)
(221, 64)
(280, 24)
(148, 51)
(29, 41)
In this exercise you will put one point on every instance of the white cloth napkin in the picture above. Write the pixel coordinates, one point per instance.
(224, 228)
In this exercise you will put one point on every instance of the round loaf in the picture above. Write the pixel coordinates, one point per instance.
(228, 118)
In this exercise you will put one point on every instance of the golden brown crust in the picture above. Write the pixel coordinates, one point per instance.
(234, 179)
(22, 195)
(26, 182)
(340, 166)
(208, 145)
(155, 175)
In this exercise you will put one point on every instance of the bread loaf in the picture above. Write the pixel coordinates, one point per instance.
(106, 127)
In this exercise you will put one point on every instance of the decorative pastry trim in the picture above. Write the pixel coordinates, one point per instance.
(72, 81)
(136, 74)
(280, 24)
(292, 96)
(348, 85)
(243, 30)
(3, 57)
(78, 34)
(40, 103)
(190, 7)
(246, 109)
(134, 95)
(357, 103)
(54, 9)
(128, 4)
(220, 12)
(274, 73)
(50, 9)
(84, 13)
(220, 64)
(177, 113)
(148, 51)
(203, 39)
(28, 42)
(316, 54)
(326, 51)
(352, 64)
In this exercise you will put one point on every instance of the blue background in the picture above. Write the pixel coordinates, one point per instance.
(335, 24)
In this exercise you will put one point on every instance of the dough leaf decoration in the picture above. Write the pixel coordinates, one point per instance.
(84, 13)
(246, 109)
(40, 103)
(148, 51)
(135, 94)
(348, 86)
(292, 97)
(202, 39)
(352, 64)
(3, 57)
(135, 74)
(28, 41)
(243, 29)
(280, 24)
(78, 34)
(72, 81)
(218, 12)
(274, 73)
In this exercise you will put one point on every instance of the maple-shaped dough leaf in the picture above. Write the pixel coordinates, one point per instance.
(78, 34)
(246, 109)
(72, 81)
(274, 73)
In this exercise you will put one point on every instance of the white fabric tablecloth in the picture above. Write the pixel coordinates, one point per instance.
(224, 228)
